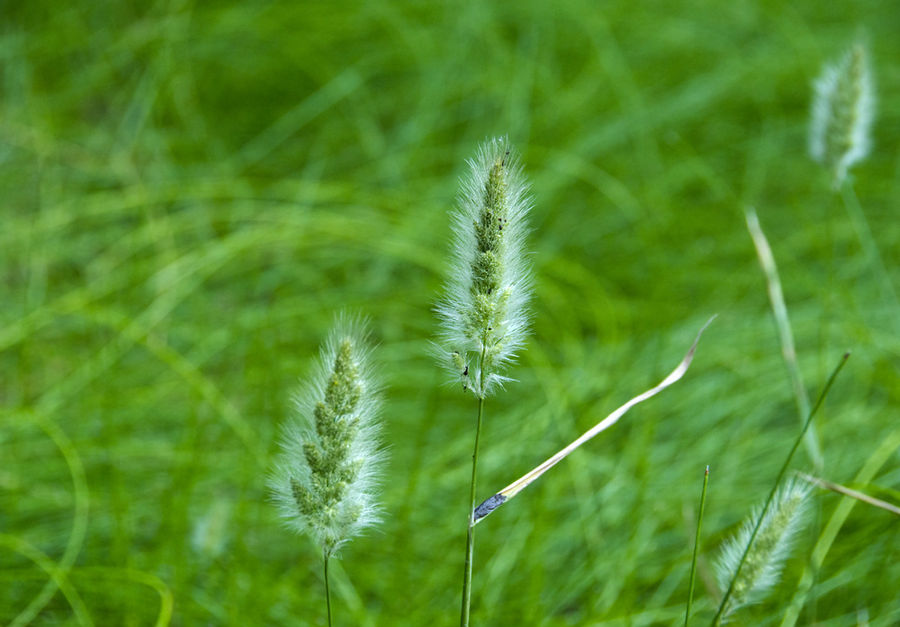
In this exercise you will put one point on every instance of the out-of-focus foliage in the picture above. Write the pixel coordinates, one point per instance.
(190, 191)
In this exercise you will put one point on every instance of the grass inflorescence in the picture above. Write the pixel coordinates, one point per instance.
(775, 531)
(325, 479)
(842, 114)
(484, 315)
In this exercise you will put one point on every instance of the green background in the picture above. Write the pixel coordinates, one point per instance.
(191, 191)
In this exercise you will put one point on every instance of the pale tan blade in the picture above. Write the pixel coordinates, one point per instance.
(520, 484)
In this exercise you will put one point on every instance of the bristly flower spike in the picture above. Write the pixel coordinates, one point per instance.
(484, 310)
(326, 475)
(842, 113)
(772, 545)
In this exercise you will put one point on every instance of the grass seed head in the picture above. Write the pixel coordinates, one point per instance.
(484, 311)
(771, 547)
(842, 113)
(325, 478)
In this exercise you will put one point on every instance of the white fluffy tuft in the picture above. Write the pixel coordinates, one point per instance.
(771, 547)
(462, 342)
(333, 524)
(842, 112)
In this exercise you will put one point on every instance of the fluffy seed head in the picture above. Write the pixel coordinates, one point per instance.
(842, 112)
(326, 474)
(771, 547)
(484, 308)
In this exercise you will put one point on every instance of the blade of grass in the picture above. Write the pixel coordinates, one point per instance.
(288, 124)
(859, 496)
(687, 612)
(58, 575)
(498, 499)
(785, 335)
(79, 519)
(166, 598)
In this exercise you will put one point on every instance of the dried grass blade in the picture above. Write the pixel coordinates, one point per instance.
(523, 482)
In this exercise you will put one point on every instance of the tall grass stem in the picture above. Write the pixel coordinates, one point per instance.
(327, 587)
(866, 239)
(785, 334)
(690, 600)
(470, 527)
(717, 619)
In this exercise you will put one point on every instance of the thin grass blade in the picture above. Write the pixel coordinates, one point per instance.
(690, 600)
(523, 482)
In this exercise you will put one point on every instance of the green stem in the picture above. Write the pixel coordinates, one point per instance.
(687, 613)
(327, 588)
(470, 533)
(785, 334)
(867, 240)
(717, 619)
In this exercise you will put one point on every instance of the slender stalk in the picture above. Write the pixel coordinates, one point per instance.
(470, 531)
(866, 239)
(327, 588)
(717, 619)
(785, 334)
(687, 612)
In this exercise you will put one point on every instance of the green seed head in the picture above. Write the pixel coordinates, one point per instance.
(325, 478)
(770, 549)
(484, 311)
(843, 109)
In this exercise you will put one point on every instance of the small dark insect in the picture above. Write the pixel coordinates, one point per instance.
(466, 371)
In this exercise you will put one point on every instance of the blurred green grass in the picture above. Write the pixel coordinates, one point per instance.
(191, 191)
